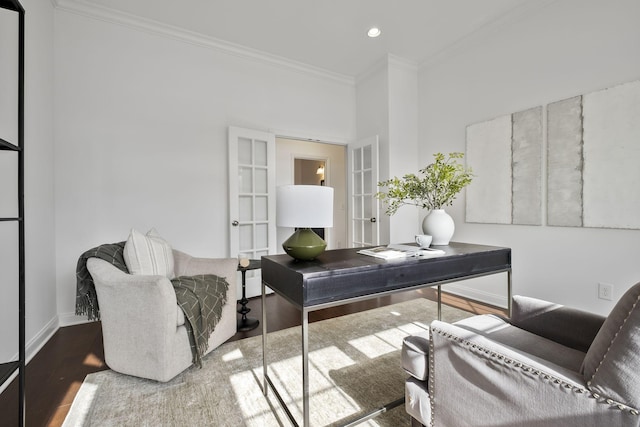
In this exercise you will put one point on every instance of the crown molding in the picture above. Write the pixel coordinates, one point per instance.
(105, 14)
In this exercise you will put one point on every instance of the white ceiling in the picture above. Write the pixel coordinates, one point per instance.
(331, 34)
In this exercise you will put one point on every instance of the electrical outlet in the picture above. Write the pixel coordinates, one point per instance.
(605, 291)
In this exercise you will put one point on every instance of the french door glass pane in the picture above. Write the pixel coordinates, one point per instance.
(367, 182)
(261, 153)
(368, 213)
(262, 233)
(246, 208)
(261, 208)
(244, 151)
(357, 182)
(367, 234)
(245, 180)
(357, 159)
(261, 180)
(357, 204)
(246, 237)
(366, 154)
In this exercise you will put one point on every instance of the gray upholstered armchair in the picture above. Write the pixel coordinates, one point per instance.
(547, 365)
(143, 328)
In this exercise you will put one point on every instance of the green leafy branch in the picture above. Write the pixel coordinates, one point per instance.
(437, 186)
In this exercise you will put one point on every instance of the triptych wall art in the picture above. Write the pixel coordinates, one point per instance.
(592, 163)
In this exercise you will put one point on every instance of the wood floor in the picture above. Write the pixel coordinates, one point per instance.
(55, 374)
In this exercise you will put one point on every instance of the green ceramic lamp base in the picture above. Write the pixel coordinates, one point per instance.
(304, 245)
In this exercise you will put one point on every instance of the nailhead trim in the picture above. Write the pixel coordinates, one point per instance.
(432, 380)
(604, 356)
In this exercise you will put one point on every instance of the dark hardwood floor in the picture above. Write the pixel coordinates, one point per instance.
(56, 373)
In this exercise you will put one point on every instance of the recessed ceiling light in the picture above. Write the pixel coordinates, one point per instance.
(374, 32)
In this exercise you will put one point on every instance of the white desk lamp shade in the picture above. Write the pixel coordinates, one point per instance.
(304, 207)
(309, 206)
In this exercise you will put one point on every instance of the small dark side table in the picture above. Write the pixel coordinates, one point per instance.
(246, 323)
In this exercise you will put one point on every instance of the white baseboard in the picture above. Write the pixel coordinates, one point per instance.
(70, 318)
(8, 381)
(497, 300)
(41, 338)
(34, 345)
(254, 291)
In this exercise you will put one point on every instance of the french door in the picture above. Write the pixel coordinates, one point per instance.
(252, 208)
(364, 227)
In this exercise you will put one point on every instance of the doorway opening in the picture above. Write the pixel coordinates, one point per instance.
(303, 162)
(310, 172)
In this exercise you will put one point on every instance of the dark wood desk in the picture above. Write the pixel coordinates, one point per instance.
(343, 276)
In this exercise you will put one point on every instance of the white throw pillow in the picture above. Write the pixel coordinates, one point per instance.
(148, 254)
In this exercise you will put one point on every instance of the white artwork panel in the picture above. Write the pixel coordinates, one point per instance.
(489, 155)
(527, 167)
(565, 160)
(611, 144)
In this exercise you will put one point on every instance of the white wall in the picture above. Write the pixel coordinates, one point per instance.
(569, 48)
(141, 132)
(387, 106)
(41, 307)
(403, 138)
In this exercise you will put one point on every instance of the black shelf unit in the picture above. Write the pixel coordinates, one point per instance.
(9, 368)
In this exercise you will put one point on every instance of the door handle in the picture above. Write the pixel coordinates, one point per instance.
(373, 219)
(235, 223)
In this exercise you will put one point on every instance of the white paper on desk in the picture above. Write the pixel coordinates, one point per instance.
(384, 253)
(417, 251)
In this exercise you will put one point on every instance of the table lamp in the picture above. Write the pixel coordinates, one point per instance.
(304, 207)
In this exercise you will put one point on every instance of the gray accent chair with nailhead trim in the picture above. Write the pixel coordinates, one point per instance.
(547, 365)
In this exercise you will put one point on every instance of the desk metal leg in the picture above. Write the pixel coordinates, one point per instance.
(264, 341)
(266, 381)
(509, 296)
(305, 367)
(439, 302)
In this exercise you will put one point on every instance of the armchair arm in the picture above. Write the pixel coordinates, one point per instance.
(186, 265)
(482, 382)
(568, 326)
(126, 298)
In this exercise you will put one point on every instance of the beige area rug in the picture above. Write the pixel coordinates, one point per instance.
(354, 368)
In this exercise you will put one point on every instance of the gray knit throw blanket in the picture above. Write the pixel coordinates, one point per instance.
(86, 298)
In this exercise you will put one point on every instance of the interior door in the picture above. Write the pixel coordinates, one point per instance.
(362, 164)
(252, 189)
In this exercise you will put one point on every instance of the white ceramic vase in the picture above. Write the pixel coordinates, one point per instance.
(440, 226)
